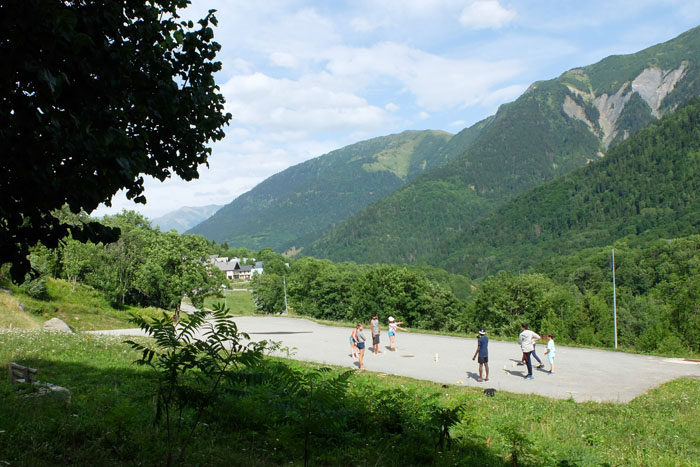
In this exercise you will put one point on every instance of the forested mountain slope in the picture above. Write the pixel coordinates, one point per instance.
(646, 188)
(309, 197)
(553, 128)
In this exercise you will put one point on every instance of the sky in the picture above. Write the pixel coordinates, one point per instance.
(302, 78)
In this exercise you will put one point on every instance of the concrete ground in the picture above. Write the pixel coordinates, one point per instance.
(583, 374)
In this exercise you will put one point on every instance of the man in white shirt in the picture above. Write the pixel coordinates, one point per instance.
(527, 340)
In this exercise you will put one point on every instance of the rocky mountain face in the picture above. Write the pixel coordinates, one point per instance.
(652, 85)
(556, 126)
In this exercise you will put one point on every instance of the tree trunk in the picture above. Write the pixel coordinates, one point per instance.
(176, 316)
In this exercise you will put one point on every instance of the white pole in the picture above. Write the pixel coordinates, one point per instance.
(286, 308)
(614, 297)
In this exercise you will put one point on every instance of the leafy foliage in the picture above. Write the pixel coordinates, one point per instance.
(191, 363)
(92, 96)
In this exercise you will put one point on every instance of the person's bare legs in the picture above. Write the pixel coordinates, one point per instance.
(360, 358)
(391, 343)
(486, 365)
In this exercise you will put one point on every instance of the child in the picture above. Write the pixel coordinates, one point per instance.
(393, 326)
(360, 342)
(353, 345)
(482, 350)
(550, 352)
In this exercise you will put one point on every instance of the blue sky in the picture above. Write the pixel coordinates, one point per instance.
(303, 78)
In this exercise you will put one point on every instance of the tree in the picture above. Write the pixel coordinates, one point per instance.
(175, 266)
(94, 95)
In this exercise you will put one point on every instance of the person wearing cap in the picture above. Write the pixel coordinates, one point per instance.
(482, 350)
(393, 326)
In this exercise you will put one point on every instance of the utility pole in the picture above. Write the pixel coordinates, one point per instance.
(286, 308)
(614, 298)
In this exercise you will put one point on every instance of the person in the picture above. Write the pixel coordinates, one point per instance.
(360, 342)
(527, 340)
(551, 349)
(393, 326)
(353, 346)
(482, 350)
(534, 354)
(374, 327)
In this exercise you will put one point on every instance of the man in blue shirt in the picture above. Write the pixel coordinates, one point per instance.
(482, 350)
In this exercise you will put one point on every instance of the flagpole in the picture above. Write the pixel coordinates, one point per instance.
(614, 297)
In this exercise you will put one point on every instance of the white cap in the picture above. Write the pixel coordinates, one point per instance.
(391, 318)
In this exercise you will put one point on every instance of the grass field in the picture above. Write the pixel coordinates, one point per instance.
(278, 419)
(376, 420)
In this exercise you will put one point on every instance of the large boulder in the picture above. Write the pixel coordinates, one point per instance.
(57, 325)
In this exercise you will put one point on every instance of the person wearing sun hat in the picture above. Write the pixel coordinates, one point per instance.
(393, 326)
(482, 350)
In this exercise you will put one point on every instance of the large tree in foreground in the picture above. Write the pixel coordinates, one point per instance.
(93, 95)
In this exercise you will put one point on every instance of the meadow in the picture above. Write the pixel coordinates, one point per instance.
(283, 412)
(299, 414)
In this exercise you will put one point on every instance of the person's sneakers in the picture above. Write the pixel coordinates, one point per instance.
(551, 373)
(529, 377)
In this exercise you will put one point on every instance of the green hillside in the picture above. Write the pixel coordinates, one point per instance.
(554, 127)
(646, 188)
(304, 200)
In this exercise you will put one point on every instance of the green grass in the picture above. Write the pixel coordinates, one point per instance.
(83, 309)
(240, 302)
(379, 420)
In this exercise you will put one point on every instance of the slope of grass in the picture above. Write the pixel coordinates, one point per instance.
(83, 309)
(12, 315)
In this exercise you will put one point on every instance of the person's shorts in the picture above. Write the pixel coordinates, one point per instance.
(483, 359)
(392, 334)
(551, 358)
(352, 340)
(360, 345)
(375, 339)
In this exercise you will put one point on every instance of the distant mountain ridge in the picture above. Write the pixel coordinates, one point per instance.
(556, 126)
(184, 218)
(309, 198)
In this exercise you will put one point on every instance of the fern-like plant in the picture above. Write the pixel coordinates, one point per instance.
(191, 362)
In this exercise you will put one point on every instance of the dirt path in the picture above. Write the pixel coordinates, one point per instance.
(584, 374)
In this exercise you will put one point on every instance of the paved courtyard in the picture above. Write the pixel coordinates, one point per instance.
(584, 374)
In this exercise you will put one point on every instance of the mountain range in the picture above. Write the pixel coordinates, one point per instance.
(305, 200)
(419, 197)
(554, 127)
(184, 218)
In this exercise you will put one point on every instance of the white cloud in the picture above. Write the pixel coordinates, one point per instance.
(362, 25)
(486, 14)
(424, 115)
(436, 82)
(303, 105)
(284, 59)
(458, 124)
(505, 94)
(391, 107)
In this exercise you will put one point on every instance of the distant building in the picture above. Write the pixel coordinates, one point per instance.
(233, 268)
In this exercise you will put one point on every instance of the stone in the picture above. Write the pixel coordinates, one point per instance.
(57, 325)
